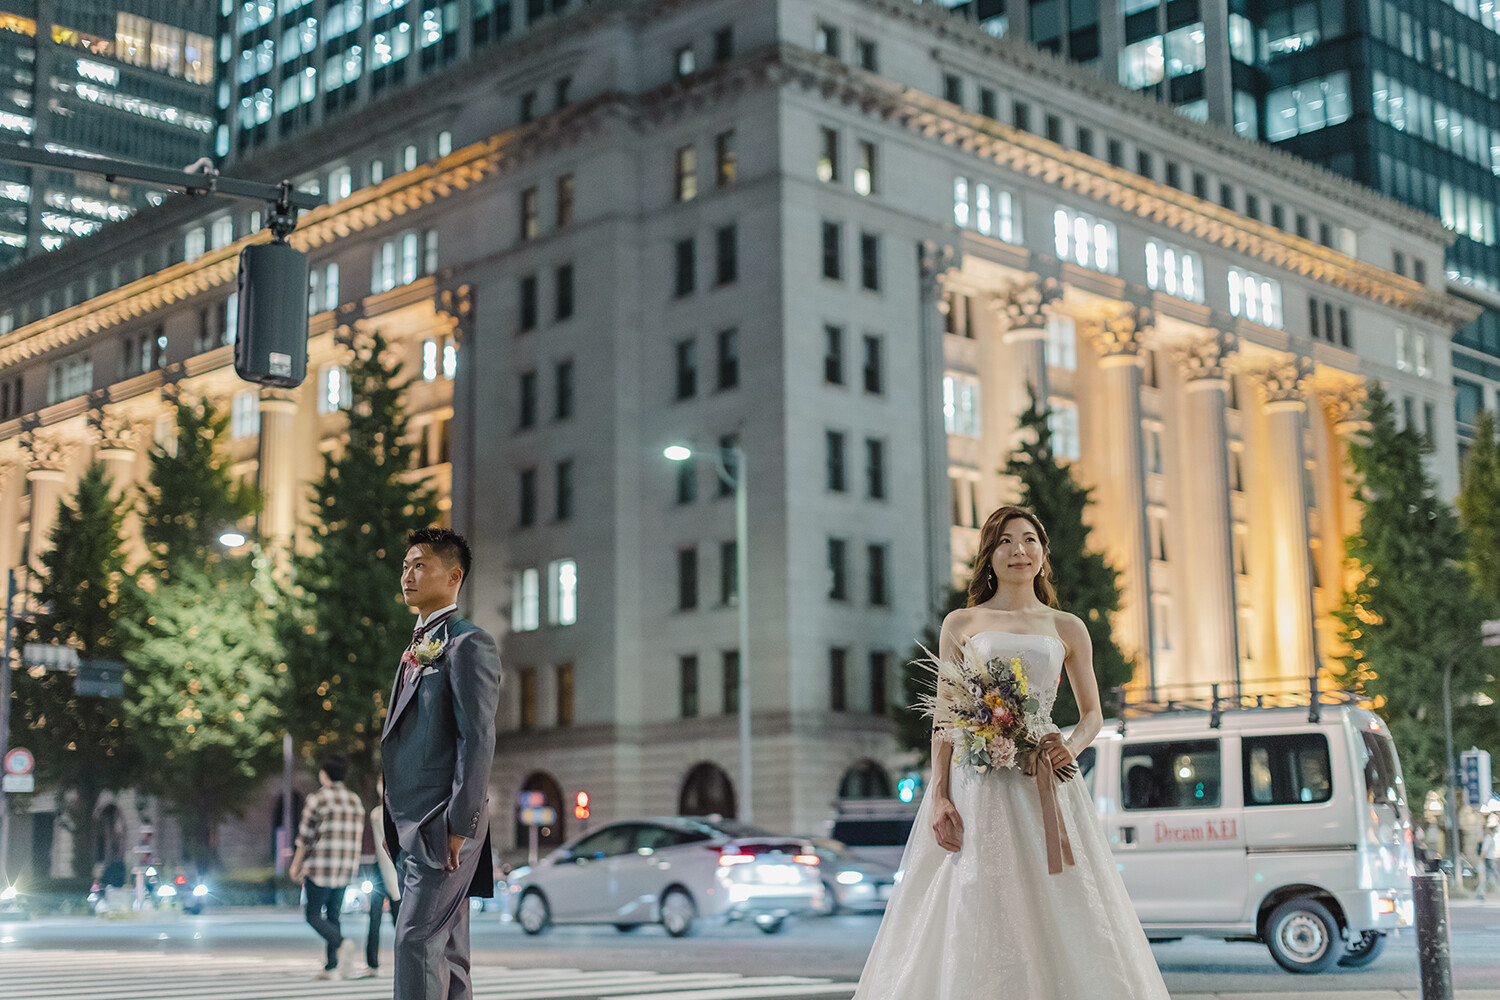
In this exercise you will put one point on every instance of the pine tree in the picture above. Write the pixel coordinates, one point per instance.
(1479, 508)
(352, 624)
(913, 726)
(1086, 584)
(82, 743)
(1415, 605)
(207, 678)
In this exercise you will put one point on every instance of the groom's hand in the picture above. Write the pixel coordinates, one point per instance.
(947, 825)
(455, 844)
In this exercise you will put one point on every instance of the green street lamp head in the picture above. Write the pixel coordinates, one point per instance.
(677, 453)
(231, 539)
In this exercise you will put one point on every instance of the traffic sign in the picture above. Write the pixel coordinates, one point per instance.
(49, 656)
(1490, 631)
(531, 800)
(538, 816)
(1475, 765)
(100, 678)
(19, 761)
(19, 784)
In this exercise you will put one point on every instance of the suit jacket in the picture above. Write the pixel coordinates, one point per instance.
(437, 749)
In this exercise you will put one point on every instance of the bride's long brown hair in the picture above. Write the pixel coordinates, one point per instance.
(983, 583)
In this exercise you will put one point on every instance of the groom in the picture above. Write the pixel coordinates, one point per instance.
(436, 752)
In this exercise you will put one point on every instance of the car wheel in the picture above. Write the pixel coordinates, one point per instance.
(1303, 936)
(830, 905)
(627, 928)
(770, 925)
(534, 915)
(1363, 950)
(678, 913)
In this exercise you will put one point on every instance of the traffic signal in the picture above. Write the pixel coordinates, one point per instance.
(906, 788)
(270, 345)
(581, 805)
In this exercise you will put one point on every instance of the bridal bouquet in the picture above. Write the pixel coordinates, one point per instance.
(986, 710)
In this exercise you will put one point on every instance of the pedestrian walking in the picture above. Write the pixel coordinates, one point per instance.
(1489, 856)
(385, 891)
(327, 859)
(436, 752)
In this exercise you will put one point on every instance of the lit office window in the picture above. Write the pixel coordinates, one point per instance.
(961, 202)
(1142, 64)
(1256, 298)
(562, 592)
(244, 416)
(525, 601)
(333, 389)
(1062, 342)
(1307, 106)
(1085, 240)
(1175, 271)
(1062, 421)
(961, 405)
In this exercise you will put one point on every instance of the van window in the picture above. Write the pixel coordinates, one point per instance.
(872, 832)
(1181, 774)
(1291, 769)
(1382, 776)
(1085, 763)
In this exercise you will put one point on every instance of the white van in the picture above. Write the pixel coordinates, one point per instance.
(1287, 826)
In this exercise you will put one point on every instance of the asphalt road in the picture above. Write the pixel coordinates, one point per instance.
(831, 948)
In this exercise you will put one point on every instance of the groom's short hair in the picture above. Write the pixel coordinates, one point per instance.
(445, 543)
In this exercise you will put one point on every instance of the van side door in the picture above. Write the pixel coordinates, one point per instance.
(1177, 836)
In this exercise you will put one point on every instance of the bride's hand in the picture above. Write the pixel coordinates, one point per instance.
(947, 825)
(1058, 754)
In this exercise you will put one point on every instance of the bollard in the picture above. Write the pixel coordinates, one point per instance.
(1430, 896)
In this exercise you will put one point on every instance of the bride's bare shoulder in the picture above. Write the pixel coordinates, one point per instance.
(958, 620)
(1070, 628)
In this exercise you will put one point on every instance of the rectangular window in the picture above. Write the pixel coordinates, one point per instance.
(1173, 270)
(730, 666)
(723, 45)
(687, 481)
(1115, 151)
(729, 359)
(685, 277)
(833, 354)
(1085, 240)
(833, 261)
(560, 88)
(826, 40)
(1143, 164)
(687, 369)
(726, 264)
(1062, 342)
(244, 417)
(953, 89)
(1053, 129)
(687, 686)
(565, 196)
(685, 174)
(1289, 769)
(727, 445)
(867, 55)
(989, 106)
(838, 679)
(563, 488)
(833, 442)
(880, 668)
(864, 168)
(838, 569)
(530, 214)
(1157, 522)
(961, 413)
(1181, 774)
(1252, 206)
(1256, 298)
(726, 161)
(684, 62)
(526, 497)
(562, 590)
(563, 292)
(873, 370)
(828, 156)
(1155, 457)
(875, 557)
(529, 296)
(687, 578)
(527, 397)
(528, 698)
(869, 261)
(874, 468)
(565, 694)
(526, 601)
(333, 389)
(1344, 335)
(1063, 423)
(729, 579)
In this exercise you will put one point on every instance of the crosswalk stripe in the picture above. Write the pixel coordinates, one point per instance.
(107, 975)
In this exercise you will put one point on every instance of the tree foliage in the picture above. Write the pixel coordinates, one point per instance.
(913, 728)
(1415, 606)
(82, 744)
(1479, 508)
(1087, 585)
(351, 624)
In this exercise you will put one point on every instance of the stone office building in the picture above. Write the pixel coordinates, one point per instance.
(843, 235)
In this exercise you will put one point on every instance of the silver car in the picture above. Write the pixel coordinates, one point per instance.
(852, 884)
(674, 871)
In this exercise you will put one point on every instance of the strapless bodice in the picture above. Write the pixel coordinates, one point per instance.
(1041, 659)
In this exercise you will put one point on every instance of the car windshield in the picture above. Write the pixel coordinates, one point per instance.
(729, 828)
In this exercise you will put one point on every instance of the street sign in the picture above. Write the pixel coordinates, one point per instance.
(100, 678)
(1475, 767)
(19, 784)
(531, 800)
(1490, 631)
(19, 761)
(49, 656)
(538, 816)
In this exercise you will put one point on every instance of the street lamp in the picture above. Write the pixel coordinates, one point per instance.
(729, 462)
(232, 539)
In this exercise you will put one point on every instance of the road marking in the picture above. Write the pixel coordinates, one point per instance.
(108, 975)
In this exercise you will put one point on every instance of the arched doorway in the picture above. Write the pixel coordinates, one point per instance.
(547, 837)
(866, 779)
(282, 845)
(707, 791)
(109, 844)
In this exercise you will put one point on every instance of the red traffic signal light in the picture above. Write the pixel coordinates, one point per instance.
(581, 805)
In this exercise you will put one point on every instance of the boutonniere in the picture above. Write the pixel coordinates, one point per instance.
(429, 649)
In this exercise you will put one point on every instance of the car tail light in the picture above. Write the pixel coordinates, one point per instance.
(735, 859)
(806, 859)
(1383, 905)
(180, 880)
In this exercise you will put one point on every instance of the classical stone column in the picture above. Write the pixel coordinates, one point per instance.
(46, 469)
(934, 261)
(115, 444)
(1212, 617)
(1344, 404)
(278, 467)
(1118, 338)
(1023, 310)
(1283, 388)
(455, 313)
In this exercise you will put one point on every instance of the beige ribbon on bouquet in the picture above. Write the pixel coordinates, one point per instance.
(1059, 848)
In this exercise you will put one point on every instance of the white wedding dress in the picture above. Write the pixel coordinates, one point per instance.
(989, 921)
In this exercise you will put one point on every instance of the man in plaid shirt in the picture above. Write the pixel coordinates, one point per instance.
(327, 858)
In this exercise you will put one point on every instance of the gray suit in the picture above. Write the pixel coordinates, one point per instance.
(436, 752)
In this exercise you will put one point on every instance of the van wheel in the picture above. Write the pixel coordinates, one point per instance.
(1303, 936)
(678, 913)
(1363, 950)
(533, 914)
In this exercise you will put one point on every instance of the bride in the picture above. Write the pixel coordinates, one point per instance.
(977, 913)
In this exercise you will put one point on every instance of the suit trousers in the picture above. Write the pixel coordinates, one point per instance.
(432, 928)
(379, 896)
